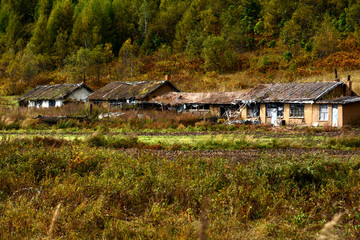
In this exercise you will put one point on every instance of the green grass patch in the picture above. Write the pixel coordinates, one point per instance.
(199, 141)
(9, 101)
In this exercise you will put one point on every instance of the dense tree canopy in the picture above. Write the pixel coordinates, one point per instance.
(46, 35)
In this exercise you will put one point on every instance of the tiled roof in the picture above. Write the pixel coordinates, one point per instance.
(128, 90)
(178, 98)
(291, 91)
(52, 92)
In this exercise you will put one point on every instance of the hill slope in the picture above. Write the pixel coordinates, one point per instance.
(228, 44)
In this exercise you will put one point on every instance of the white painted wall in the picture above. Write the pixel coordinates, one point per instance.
(81, 94)
(33, 104)
(45, 104)
(59, 103)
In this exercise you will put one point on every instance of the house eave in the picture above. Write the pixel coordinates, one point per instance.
(329, 90)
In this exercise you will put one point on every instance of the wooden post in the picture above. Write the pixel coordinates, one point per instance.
(349, 87)
(336, 76)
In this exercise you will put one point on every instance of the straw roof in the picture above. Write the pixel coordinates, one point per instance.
(128, 90)
(280, 92)
(53, 92)
(179, 98)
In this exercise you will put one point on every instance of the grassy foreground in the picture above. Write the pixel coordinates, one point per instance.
(51, 188)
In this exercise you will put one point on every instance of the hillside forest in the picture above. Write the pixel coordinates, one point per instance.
(202, 44)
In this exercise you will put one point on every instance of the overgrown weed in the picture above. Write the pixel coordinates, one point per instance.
(109, 193)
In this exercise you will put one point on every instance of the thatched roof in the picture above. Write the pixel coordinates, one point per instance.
(179, 98)
(128, 90)
(291, 91)
(53, 92)
(286, 92)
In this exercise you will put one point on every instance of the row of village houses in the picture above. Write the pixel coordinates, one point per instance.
(312, 104)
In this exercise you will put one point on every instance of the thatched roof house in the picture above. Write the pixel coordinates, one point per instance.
(214, 98)
(130, 92)
(55, 95)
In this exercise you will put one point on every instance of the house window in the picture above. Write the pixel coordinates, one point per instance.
(323, 113)
(279, 107)
(297, 109)
(115, 103)
(253, 110)
(38, 103)
(51, 103)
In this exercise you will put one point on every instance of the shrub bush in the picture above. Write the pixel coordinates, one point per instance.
(272, 43)
(97, 140)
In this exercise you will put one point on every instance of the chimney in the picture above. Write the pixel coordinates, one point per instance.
(167, 77)
(349, 86)
(336, 76)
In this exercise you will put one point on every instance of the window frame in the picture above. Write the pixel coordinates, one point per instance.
(52, 103)
(297, 110)
(323, 115)
(97, 101)
(115, 103)
(250, 113)
(279, 108)
(38, 103)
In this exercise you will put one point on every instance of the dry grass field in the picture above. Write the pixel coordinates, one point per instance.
(119, 187)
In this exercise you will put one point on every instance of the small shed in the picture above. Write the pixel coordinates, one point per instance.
(120, 93)
(55, 95)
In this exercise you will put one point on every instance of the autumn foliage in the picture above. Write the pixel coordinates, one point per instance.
(99, 41)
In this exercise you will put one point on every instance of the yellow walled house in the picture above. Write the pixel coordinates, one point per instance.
(311, 104)
(306, 104)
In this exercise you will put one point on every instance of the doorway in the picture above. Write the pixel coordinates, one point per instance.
(334, 115)
(274, 116)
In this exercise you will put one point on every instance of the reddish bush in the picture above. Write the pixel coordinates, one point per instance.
(342, 60)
